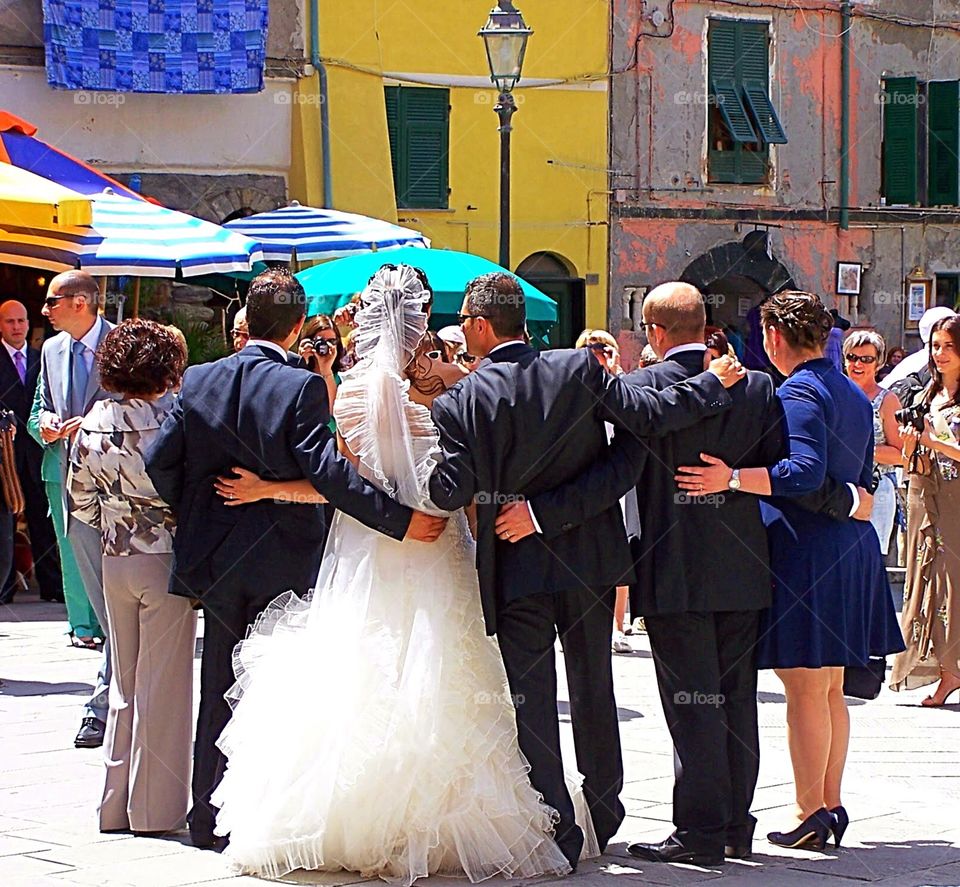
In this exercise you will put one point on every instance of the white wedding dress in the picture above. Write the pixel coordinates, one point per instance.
(372, 729)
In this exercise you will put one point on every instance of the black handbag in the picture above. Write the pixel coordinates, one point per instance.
(865, 681)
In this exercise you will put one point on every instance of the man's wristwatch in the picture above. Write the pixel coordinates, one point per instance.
(734, 482)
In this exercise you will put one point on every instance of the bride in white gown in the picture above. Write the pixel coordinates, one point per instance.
(372, 728)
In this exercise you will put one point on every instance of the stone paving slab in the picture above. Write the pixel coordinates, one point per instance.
(902, 788)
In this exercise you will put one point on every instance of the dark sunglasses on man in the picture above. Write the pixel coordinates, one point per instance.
(865, 359)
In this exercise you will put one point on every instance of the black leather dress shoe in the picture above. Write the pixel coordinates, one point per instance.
(672, 850)
(739, 843)
(52, 596)
(91, 733)
(208, 841)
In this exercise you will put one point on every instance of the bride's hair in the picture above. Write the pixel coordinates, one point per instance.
(391, 320)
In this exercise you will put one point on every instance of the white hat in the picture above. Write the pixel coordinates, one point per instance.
(453, 335)
(930, 317)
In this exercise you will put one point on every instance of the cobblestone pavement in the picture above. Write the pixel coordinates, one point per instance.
(902, 786)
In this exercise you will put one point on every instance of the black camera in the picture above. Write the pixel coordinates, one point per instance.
(912, 417)
(320, 345)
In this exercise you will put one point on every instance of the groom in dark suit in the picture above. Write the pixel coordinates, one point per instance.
(702, 579)
(253, 410)
(521, 424)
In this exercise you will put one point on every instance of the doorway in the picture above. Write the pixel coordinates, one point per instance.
(551, 274)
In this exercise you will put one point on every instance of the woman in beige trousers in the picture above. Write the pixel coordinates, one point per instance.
(147, 744)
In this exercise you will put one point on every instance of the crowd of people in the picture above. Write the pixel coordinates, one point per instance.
(585, 490)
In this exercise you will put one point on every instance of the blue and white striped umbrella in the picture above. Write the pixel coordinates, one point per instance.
(132, 237)
(308, 233)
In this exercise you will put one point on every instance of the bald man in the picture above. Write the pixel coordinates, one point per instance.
(19, 372)
(69, 386)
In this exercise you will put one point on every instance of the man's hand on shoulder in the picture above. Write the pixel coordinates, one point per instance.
(425, 527)
(728, 370)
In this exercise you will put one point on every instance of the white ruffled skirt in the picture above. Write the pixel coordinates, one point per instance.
(373, 730)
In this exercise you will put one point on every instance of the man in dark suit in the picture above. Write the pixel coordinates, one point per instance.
(255, 411)
(702, 579)
(521, 424)
(19, 373)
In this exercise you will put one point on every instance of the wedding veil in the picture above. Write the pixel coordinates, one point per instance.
(394, 438)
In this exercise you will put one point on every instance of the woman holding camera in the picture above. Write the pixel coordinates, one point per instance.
(931, 446)
(863, 352)
(322, 351)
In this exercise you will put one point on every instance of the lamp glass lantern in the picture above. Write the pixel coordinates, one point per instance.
(505, 38)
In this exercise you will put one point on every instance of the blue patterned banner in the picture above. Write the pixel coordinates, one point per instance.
(168, 46)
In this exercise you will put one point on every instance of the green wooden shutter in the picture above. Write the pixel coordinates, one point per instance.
(737, 55)
(900, 140)
(731, 108)
(765, 115)
(392, 99)
(426, 132)
(943, 145)
(722, 50)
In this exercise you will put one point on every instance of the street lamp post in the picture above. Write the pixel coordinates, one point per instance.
(505, 38)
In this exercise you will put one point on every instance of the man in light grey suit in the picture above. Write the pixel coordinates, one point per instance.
(69, 386)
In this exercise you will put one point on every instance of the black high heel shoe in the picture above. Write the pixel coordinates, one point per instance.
(839, 824)
(811, 833)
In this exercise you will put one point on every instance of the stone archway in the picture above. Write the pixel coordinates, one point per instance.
(735, 278)
(748, 258)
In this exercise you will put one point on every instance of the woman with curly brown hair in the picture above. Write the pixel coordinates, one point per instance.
(832, 605)
(147, 743)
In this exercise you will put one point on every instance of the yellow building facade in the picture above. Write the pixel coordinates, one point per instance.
(376, 53)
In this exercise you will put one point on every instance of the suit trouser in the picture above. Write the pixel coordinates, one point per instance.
(707, 674)
(81, 616)
(87, 546)
(225, 623)
(526, 631)
(150, 724)
(43, 539)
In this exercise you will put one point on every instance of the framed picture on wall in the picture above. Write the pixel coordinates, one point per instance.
(918, 301)
(849, 275)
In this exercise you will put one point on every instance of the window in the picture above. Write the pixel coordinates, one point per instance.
(418, 120)
(921, 121)
(742, 122)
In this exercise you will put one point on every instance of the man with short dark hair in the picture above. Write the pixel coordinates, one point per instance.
(69, 386)
(253, 410)
(521, 424)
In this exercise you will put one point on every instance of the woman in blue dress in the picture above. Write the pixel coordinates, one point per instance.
(832, 604)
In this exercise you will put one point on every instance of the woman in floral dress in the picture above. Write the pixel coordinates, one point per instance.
(931, 603)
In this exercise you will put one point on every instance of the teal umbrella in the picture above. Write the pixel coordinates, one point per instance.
(330, 285)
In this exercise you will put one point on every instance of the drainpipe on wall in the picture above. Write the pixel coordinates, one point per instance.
(845, 21)
(324, 102)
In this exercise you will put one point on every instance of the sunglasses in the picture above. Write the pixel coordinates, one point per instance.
(50, 301)
(465, 317)
(433, 355)
(464, 357)
(866, 359)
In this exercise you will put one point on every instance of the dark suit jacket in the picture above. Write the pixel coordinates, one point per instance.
(702, 554)
(255, 411)
(525, 422)
(18, 397)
